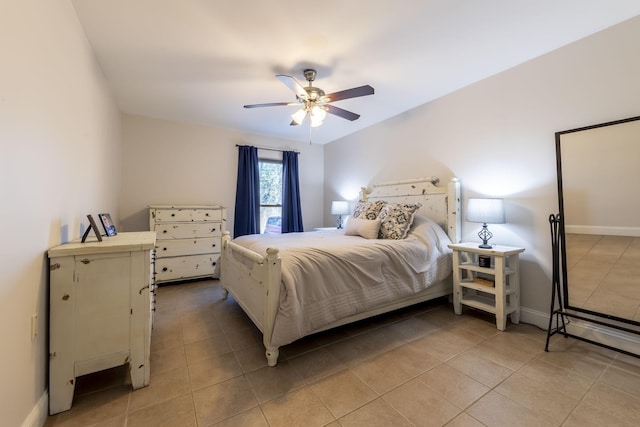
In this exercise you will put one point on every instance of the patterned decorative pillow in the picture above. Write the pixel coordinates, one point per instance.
(396, 220)
(368, 210)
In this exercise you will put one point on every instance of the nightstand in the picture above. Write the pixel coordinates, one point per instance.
(494, 288)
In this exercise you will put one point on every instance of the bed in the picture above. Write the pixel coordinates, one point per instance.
(297, 284)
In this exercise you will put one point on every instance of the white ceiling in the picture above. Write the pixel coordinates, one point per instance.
(201, 60)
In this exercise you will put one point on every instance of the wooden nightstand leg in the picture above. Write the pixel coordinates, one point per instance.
(457, 291)
(514, 263)
(501, 318)
(515, 317)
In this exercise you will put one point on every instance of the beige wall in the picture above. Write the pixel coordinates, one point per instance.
(166, 162)
(497, 136)
(61, 149)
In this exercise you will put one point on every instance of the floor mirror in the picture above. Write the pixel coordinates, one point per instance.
(598, 226)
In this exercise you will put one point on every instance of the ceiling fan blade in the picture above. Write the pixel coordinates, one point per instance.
(270, 104)
(350, 93)
(293, 84)
(342, 113)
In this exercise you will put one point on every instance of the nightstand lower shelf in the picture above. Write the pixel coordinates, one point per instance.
(485, 303)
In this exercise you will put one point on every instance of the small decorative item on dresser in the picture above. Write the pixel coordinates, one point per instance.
(94, 227)
(107, 223)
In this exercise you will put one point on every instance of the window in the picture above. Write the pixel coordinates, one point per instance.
(270, 195)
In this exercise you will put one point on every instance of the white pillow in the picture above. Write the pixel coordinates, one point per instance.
(367, 228)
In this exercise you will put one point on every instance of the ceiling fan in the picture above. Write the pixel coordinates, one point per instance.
(314, 102)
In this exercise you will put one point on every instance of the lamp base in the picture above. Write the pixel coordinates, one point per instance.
(339, 222)
(485, 235)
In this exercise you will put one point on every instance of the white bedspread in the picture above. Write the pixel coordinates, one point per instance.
(328, 276)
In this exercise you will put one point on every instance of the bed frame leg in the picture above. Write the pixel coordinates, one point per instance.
(225, 293)
(272, 355)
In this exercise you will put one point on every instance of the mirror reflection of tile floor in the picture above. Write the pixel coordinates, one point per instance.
(604, 274)
(418, 366)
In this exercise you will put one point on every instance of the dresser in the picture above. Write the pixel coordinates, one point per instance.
(100, 311)
(188, 240)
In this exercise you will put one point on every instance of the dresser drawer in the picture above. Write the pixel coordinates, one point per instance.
(186, 267)
(187, 215)
(179, 247)
(187, 230)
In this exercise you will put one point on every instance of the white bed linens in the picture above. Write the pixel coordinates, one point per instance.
(327, 275)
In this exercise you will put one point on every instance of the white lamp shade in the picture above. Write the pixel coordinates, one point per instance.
(339, 208)
(489, 211)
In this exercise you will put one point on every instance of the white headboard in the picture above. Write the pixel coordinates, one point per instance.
(441, 204)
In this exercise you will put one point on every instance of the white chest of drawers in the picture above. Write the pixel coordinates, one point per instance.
(100, 311)
(188, 240)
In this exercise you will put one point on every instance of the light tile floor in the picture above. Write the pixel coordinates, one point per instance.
(420, 366)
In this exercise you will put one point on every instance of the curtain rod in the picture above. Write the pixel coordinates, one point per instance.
(270, 149)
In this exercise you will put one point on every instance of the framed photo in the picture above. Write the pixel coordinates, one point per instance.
(96, 230)
(107, 223)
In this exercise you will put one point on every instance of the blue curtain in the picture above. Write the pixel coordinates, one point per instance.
(246, 219)
(291, 211)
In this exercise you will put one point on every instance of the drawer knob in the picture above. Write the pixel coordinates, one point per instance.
(164, 249)
(207, 214)
(213, 263)
(164, 231)
(173, 214)
(164, 268)
(213, 246)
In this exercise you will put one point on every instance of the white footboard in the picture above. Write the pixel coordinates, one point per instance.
(254, 281)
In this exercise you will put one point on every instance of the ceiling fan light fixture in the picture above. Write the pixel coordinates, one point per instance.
(318, 114)
(299, 115)
(315, 122)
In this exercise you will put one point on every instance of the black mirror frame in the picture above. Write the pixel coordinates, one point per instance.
(563, 252)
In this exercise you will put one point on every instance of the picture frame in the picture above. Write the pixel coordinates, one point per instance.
(108, 225)
(94, 226)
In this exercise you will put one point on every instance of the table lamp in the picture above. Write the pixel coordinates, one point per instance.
(485, 211)
(339, 208)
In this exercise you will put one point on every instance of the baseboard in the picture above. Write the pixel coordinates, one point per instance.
(612, 337)
(601, 334)
(38, 415)
(533, 317)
